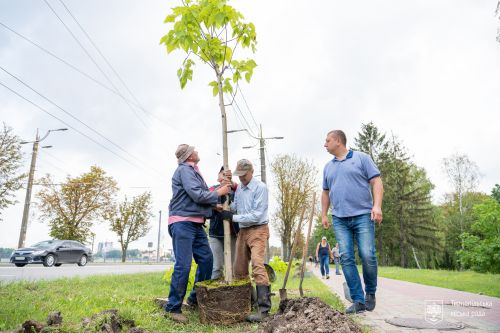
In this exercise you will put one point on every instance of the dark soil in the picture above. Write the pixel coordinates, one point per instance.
(308, 314)
(223, 304)
(107, 321)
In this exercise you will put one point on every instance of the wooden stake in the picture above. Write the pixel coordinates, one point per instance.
(306, 244)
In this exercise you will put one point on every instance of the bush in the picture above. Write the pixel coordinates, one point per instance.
(278, 265)
(192, 275)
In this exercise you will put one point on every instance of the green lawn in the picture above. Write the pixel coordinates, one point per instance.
(486, 284)
(132, 294)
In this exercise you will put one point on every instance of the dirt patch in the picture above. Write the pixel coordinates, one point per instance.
(223, 304)
(107, 321)
(308, 314)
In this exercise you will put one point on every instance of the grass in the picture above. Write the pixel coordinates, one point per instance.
(131, 294)
(478, 283)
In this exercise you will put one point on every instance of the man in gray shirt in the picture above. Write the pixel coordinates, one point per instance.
(250, 211)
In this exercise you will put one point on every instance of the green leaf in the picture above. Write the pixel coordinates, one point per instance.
(170, 18)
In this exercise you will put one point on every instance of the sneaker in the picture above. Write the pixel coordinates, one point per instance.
(338, 273)
(322, 277)
(370, 302)
(327, 277)
(356, 308)
(177, 317)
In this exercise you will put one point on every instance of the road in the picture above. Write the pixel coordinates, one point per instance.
(39, 272)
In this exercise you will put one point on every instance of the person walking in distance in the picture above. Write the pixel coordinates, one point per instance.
(336, 258)
(323, 255)
(348, 182)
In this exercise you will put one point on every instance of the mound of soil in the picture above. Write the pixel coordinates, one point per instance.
(308, 314)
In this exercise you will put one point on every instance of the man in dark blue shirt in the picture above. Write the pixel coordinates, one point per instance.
(348, 182)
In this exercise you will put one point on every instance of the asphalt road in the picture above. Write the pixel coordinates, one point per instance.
(11, 273)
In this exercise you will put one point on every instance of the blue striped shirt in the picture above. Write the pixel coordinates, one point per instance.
(251, 204)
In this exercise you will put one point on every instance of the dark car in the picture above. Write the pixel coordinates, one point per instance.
(52, 253)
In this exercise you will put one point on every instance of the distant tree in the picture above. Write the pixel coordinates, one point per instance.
(295, 180)
(72, 208)
(495, 193)
(10, 162)
(481, 250)
(463, 174)
(408, 204)
(453, 224)
(130, 220)
(5, 252)
(134, 253)
(371, 141)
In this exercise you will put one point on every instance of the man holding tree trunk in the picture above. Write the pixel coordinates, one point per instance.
(191, 204)
(348, 182)
(250, 210)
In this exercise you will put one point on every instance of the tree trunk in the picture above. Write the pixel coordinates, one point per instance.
(415, 257)
(124, 253)
(228, 265)
(284, 250)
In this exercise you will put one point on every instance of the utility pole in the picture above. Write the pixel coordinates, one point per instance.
(263, 175)
(158, 246)
(27, 200)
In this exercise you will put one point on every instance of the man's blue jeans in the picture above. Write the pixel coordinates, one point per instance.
(189, 240)
(324, 265)
(361, 228)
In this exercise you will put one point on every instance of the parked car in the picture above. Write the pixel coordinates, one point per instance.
(52, 253)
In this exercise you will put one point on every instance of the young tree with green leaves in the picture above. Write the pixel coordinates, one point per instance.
(130, 220)
(72, 208)
(10, 162)
(209, 32)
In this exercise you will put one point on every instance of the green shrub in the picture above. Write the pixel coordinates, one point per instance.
(192, 274)
(278, 265)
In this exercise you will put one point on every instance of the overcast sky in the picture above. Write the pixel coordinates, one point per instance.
(426, 71)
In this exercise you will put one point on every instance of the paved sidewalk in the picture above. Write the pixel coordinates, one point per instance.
(408, 300)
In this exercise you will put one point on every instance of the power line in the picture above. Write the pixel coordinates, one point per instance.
(69, 114)
(65, 123)
(100, 53)
(92, 59)
(88, 76)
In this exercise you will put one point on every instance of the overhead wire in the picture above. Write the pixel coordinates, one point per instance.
(93, 60)
(72, 116)
(67, 124)
(83, 73)
(101, 54)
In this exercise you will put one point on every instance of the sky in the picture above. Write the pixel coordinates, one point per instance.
(425, 71)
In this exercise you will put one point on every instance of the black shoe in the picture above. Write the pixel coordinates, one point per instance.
(370, 302)
(356, 308)
(264, 304)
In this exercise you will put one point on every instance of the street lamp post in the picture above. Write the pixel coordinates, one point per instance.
(27, 200)
(263, 174)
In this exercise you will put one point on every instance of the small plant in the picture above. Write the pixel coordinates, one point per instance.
(278, 265)
(192, 274)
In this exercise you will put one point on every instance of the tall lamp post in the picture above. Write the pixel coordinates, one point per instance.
(263, 175)
(27, 200)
